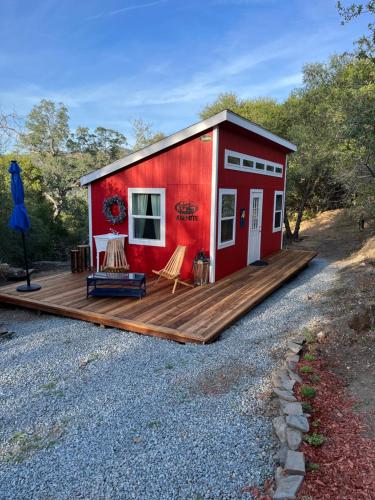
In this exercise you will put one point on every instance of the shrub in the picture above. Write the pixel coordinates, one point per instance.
(314, 379)
(313, 467)
(307, 392)
(306, 407)
(315, 439)
(309, 336)
(309, 357)
(306, 369)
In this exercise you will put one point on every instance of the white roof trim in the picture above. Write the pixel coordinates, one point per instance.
(213, 121)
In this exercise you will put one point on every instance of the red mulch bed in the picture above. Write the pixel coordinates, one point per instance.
(347, 459)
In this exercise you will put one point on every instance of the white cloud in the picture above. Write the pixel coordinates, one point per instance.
(124, 9)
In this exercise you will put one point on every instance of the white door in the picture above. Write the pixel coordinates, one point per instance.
(255, 225)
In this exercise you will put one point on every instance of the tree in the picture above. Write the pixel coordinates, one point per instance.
(9, 129)
(63, 156)
(263, 111)
(144, 135)
(47, 129)
(366, 44)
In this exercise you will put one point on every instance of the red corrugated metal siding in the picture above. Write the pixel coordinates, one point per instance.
(185, 171)
(233, 258)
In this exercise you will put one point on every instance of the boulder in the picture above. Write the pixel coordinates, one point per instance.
(293, 409)
(295, 463)
(293, 438)
(283, 394)
(295, 348)
(280, 427)
(287, 487)
(298, 422)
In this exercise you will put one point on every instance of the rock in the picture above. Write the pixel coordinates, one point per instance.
(320, 336)
(279, 474)
(293, 438)
(287, 384)
(288, 487)
(295, 348)
(295, 463)
(293, 357)
(279, 425)
(291, 365)
(299, 340)
(287, 395)
(295, 376)
(282, 453)
(298, 422)
(293, 409)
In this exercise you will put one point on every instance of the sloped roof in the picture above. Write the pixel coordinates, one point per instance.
(182, 135)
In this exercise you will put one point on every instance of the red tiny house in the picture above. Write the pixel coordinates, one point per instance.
(194, 188)
(232, 138)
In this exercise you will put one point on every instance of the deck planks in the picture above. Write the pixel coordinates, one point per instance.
(190, 315)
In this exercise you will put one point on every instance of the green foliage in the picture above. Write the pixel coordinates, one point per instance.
(263, 111)
(313, 466)
(306, 369)
(315, 439)
(366, 44)
(307, 408)
(307, 392)
(314, 379)
(309, 357)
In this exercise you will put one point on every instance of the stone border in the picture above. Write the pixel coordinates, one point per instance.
(289, 426)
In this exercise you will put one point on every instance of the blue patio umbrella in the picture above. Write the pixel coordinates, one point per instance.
(19, 219)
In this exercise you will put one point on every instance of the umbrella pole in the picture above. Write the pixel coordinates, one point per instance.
(28, 287)
(25, 257)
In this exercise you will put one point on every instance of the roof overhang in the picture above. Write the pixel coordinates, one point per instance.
(182, 135)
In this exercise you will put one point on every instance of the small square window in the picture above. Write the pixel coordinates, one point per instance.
(279, 170)
(259, 166)
(234, 160)
(270, 168)
(248, 163)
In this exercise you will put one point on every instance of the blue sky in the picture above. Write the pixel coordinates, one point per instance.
(161, 60)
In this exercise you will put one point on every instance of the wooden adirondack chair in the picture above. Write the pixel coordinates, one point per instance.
(173, 268)
(115, 258)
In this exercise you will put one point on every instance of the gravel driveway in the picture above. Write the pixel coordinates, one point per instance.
(91, 413)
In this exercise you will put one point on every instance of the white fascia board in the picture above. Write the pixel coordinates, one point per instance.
(154, 148)
(257, 129)
(182, 135)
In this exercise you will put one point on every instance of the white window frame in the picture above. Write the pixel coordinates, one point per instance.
(277, 229)
(147, 241)
(254, 159)
(234, 217)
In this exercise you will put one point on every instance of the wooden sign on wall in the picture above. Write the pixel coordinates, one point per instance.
(186, 211)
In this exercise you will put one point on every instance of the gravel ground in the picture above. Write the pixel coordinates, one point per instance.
(88, 412)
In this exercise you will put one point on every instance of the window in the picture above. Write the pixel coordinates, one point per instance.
(247, 163)
(278, 211)
(147, 216)
(234, 160)
(227, 217)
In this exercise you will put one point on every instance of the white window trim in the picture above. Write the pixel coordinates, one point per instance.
(254, 159)
(233, 240)
(145, 241)
(277, 229)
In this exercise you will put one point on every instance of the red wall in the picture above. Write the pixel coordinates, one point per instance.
(233, 258)
(185, 172)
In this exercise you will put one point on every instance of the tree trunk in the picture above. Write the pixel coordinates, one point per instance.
(288, 231)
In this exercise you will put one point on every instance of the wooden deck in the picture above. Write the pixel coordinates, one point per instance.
(190, 315)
